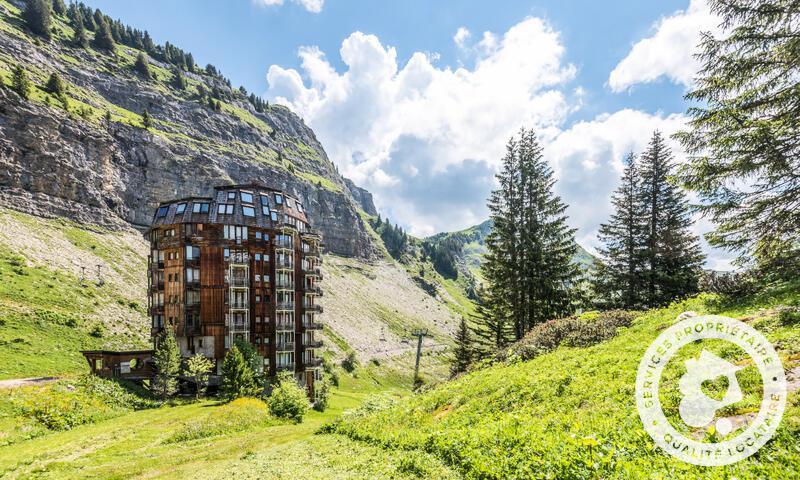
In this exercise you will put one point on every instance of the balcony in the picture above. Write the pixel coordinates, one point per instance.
(284, 285)
(314, 344)
(284, 264)
(238, 327)
(285, 366)
(284, 306)
(284, 346)
(313, 290)
(239, 259)
(284, 326)
(284, 245)
(313, 272)
(237, 305)
(312, 253)
(287, 226)
(311, 235)
(194, 284)
(312, 325)
(242, 282)
(157, 285)
(316, 308)
(313, 362)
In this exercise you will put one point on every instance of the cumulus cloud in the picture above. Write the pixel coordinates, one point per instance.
(669, 51)
(461, 36)
(313, 6)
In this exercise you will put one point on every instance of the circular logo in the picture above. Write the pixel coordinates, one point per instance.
(700, 410)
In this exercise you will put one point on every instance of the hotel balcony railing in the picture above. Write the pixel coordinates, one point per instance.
(239, 305)
(284, 264)
(283, 306)
(193, 262)
(239, 282)
(285, 366)
(193, 284)
(314, 344)
(313, 362)
(284, 346)
(313, 290)
(284, 285)
(313, 272)
(308, 307)
(284, 326)
(284, 245)
(238, 327)
(312, 234)
(312, 325)
(313, 252)
(157, 286)
(287, 226)
(239, 259)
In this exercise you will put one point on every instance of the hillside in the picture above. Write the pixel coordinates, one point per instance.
(571, 413)
(87, 157)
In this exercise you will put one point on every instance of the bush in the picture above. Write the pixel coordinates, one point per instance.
(98, 331)
(789, 316)
(323, 394)
(288, 400)
(728, 283)
(572, 331)
(350, 362)
(330, 371)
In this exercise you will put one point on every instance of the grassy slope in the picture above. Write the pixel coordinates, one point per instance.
(46, 315)
(132, 446)
(571, 413)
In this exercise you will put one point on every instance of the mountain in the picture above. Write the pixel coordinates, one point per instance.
(80, 178)
(469, 246)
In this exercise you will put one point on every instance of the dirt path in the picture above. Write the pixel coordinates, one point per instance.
(26, 382)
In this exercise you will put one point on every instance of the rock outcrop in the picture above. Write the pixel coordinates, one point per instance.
(75, 163)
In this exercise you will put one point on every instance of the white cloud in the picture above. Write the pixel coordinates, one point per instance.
(313, 6)
(669, 51)
(461, 36)
(427, 140)
(385, 123)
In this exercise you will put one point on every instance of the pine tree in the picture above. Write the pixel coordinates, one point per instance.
(147, 43)
(237, 377)
(167, 361)
(20, 82)
(147, 121)
(198, 368)
(80, 39)
(37, 17)
(621, 274)
(490, 330)
(672, 253)
(178, 79)
(463, 352)
(55, 85)
(742, 139)
(102, 37)
(141, 66)
(59, 7)
(530, 249)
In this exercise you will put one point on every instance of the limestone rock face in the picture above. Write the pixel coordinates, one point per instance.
(55, 163)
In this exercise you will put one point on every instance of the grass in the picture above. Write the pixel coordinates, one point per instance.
(571, 413)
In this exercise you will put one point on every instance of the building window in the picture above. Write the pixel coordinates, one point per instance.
(258, 319)
(231, 195)
(274, 216)
(247, 197)
(288, 202)
(225, 209)
(180, 208)
(258, 298)
(226, 253)
(192, 252)
(265, 211)
(192, 275)
(258, 340)
(248, 211)
(200, 207)
(264, 200)
(258, 277)
(299, 207)
(278, 199)
(234, 232)
(162, 212)
(258, 235)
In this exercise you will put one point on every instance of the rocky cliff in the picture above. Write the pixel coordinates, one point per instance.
(86, 156)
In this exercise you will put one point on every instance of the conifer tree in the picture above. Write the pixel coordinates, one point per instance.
(59, 7)
(147, 43)
(621, 274)
(20, 82)
(237, 377)
(178, 79)
(147, 122)
(672, 253)
(743, 135)
(102, 37)
(55, 85)
(37, 17)
(463, 352)
(491, 331)
(80, 39)
(198, 368)
(167, 361)
(141, 66)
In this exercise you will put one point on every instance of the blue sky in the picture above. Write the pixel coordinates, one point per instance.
(414, 100)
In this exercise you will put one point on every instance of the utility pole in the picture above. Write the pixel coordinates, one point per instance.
(420, 334)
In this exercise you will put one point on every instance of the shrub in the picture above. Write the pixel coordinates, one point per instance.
(789, 316)
(330, 371)
(323, 394)
(288, 400)
(728, 283)
(20, 83)
(572, 331)
(236, 416)
(55, 85)
(97, 331)
(350, 362)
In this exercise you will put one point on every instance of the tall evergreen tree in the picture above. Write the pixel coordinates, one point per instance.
(59, 7)
(20, 82)
(621, 274)
(102, 37)
(744, 136)
(80, 39)
(55, 85)
(464, 349)
(167, 360)
(141, 66)
(178, 79)
(672, 253)
(529, 264)
(37, 17)
(147, 121)
(237, 377)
